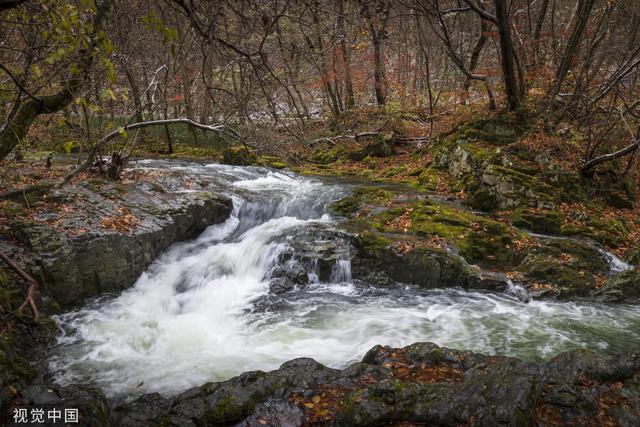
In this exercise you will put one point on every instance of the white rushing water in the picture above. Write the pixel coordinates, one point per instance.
(203, 310)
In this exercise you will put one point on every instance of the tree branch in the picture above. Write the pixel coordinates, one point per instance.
(611, 156)
(483, 13)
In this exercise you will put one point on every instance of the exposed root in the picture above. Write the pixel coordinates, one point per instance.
(29, 300)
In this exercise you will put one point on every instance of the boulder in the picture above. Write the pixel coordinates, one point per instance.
(421, 383)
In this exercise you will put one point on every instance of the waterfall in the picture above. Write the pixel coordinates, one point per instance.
(341, 272)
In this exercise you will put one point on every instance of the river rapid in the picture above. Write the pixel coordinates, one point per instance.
(206, 309)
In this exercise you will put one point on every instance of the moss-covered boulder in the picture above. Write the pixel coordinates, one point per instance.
(568, 268)
(381, 146)
(543, 221)
(362, 199)
(239, 156)
(479, 239)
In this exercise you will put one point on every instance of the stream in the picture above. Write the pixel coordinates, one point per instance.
(206, 309)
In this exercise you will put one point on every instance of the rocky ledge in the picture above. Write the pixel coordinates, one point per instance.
(98, 236)
(421, 384)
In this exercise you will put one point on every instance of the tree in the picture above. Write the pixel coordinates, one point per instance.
(16, 127)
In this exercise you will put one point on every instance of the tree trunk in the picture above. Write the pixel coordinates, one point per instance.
(378, 75)
(511, 83)
(582, 16)
(346, 57)
(137, 102)
(538, 30)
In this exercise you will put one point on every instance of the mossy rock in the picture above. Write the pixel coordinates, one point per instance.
(239, 156)
(611, 232)
(501, 130)
(542, 221)
(345, 206)
(571, 266)
(479, 239)
(428, 179)
(567, 280)
(381, 146)
(360, 198)
(622, 287)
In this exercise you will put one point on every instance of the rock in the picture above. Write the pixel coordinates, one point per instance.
(239, 156)
(276, 413)
(570, 266)
(378, 263)
(76, 267)
(421, 383)
(621, 287)
(121, 233)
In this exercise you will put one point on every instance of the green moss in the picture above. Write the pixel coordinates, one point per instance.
(428, 179)
(393, 171)
(479, 239)
(228, 409)
(12, 209)
(324, 155)
(17, 368)
(372, 240)
(271, 161)
(345, 206)
(537, 221)
(360, 198)
(610, 232)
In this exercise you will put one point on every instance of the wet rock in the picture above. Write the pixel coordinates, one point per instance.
(276, 413)
(420, 383)
(312, 254)
(109, 246)
(570, 266)
(538, 221)
(429, 268)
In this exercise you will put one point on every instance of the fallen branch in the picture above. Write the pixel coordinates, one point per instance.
(412, 140)
(31, 290)
(43, 188)
(354, 137)
(586, 168)
(333, 139)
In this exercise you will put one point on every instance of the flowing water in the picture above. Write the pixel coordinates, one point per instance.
(204, 310)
